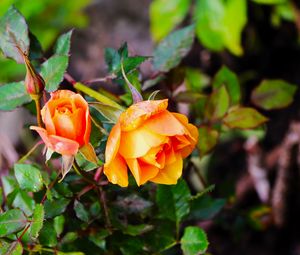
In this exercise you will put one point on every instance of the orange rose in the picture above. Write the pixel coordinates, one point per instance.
(151, 141)
(67, 122)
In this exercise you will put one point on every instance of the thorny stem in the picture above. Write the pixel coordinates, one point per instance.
(23, 233)
(101, 195)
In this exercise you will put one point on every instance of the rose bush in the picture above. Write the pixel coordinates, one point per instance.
(67, 122)
(151, 141)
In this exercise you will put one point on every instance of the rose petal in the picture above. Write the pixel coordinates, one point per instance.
(62, 93)
(113, 143)
(141, 172)
(64, 125)
(171, 173)
(136, 114)
(138, 142)
(59, 144)
(116, 171)
(164, 123)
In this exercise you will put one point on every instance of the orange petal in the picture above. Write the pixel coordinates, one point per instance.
(191, 130)
(116, 171)
(64, 125)
(136, 114)
(138, 142)
(62, 93)
(113, 143)
(88, 127)
(59, 144)
(164, 123)
(141, 172)
(155, 156)
(171, 173)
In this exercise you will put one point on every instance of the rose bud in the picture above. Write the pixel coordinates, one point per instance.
(34, 83)
(151, 141)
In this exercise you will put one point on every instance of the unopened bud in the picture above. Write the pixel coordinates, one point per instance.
(34, 83)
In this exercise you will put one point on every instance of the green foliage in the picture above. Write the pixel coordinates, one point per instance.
(244, 117)
(53, 71)
(273, 94)
(63, 44)
(209, 139)
(194, 241)
(28, 177)
(12, 221)
(13, 95)
(37, 220)
(228, 78)
(160, 9)
(173, 201)
(172, 49)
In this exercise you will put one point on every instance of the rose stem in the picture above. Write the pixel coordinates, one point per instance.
(101, 195)
(38, 112)
(83, 174)
(98, 189)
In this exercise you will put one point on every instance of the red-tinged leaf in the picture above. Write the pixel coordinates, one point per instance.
(217, 104)
(188, 97)
(273, 94)
(14, 36)
(88, 153)
(244, 118)
(208, 138)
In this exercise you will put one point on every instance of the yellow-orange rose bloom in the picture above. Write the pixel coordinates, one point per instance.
(151, 141)
(67, 122)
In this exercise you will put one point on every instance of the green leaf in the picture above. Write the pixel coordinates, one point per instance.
(58, 224)
(114, 58)
(55, 207)
(48, 235)
(244, 117)
(28, 177)
(270, 1)
(111, 113)
(195, 79)
(217, 104)
(9, 184)
(53, 71)
(208, 140)
(228, 78)
(63, 44)
(80, 211)
(133, 204)
(273, 94)
(14, 35)
(12, 221)
(160, 9)
(220, 23)
(172, 201)
(194, 241)
(136, 230)
(37, 220)
(205, 208)
(234, 23)
(173, 48)
(20, 199)
(15, 248)
(209, 16)
(13, 95)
